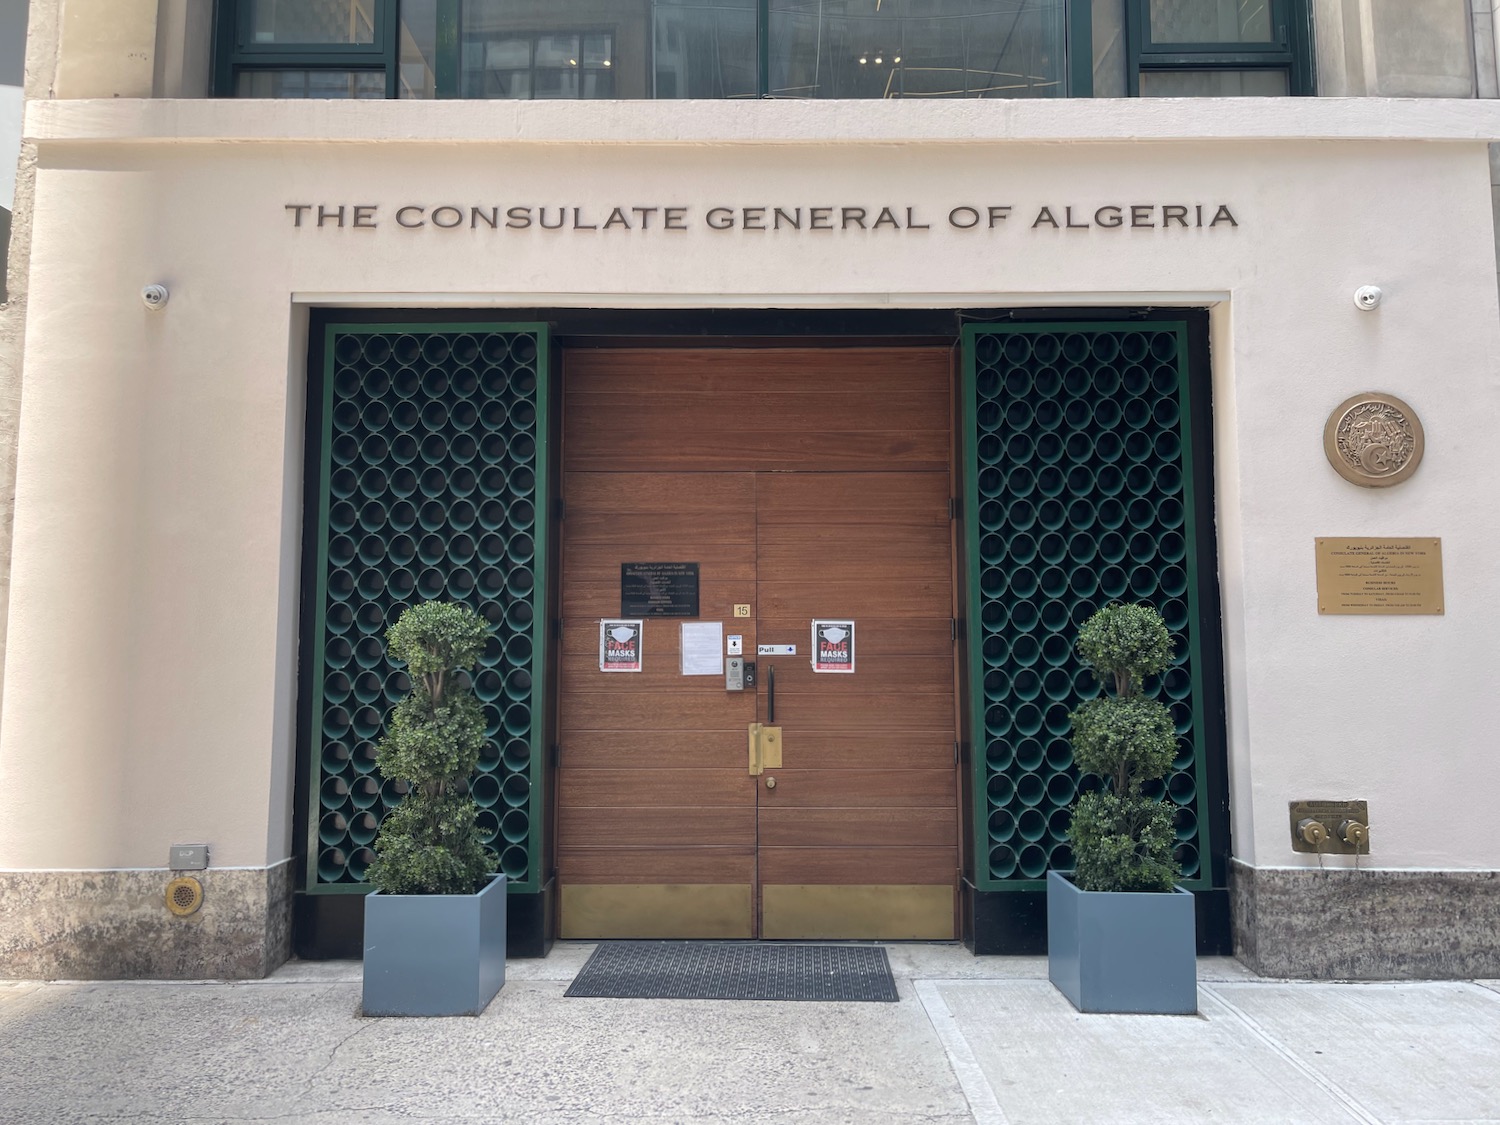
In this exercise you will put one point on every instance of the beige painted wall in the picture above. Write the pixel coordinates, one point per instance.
(151, 639)
(107, 49)
(152, 648)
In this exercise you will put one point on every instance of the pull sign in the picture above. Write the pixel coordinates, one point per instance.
(776, 650)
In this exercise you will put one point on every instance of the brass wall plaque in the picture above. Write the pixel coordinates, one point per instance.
(1380, 576)
(1345, 824)
(1374, 440)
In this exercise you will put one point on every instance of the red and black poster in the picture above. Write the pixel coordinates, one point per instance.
(619, 646)
(833, 646)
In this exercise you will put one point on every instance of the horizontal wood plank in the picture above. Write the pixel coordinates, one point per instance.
(824, 595)
(655, 828)
(859, 788)
(851, 711)
(728, 451)
(653, 787)
(656, 749)
(829, 499)
(857, 828)
(916, 675)
(666, 512)
(862, 548)
(854, 866)
(657, 865)
(610, 418)
(881, 750)
(678, 371)
(656, 710)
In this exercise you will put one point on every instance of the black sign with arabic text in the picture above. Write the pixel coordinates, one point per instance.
(659, 589)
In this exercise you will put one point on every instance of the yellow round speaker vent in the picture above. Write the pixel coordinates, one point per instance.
(184, 896)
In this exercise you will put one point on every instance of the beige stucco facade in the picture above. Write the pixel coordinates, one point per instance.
(150, 659)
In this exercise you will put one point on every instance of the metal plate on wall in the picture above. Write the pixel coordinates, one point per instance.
(659, 589)
(1374, 440)
(1379, 576)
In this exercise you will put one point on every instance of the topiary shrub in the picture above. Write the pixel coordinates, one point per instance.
(430, 843)
(1123, 840)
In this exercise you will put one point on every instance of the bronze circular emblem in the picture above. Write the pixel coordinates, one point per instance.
(1373, 440)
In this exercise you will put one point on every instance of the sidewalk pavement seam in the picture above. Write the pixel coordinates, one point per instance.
(1327, 1085)
(971, 1079)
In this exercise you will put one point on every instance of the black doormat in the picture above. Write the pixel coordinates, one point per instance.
(708, 970)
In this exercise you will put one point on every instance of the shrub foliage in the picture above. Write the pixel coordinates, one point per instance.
(430, 843)
(1123, 840)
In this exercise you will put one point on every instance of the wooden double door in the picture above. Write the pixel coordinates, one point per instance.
(804, 483)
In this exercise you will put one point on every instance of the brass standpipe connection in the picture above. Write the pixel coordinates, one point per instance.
(1315, 834)
(1312, 832)
(1357, 835)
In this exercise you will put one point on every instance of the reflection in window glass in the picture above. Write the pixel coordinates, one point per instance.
(550, 65)
(312, 21)
(310, 84)
(417, 46)
(526, 49)
(1211, 21)
(515, 48)
(916, 48)
(704, 50)
(1214, 84)
(1109, 49)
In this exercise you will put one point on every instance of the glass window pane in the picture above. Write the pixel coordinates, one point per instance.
(417, 42)
(557, 50)
(916, 48)
(1214, 84)
(1211, 21)
(1109, 49)
(547, 49)
(704, 50)
(598, 50)
(310, 84)
(312, 21)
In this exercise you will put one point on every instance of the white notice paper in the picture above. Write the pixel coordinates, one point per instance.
(702, 648)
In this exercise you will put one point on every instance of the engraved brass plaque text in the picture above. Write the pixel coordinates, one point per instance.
(1380, 576)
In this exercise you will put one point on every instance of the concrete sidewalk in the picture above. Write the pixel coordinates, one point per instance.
(972, 1039)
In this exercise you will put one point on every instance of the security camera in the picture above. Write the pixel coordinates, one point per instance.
(155, 296)
(1367, 297)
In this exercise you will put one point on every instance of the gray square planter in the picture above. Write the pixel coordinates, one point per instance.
(1122, 952)
(434, 955)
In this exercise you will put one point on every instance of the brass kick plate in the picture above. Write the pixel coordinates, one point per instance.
(1332, 815)
(765, 748)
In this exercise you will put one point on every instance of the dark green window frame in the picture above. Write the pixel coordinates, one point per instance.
(1289, 52)
(236, 53)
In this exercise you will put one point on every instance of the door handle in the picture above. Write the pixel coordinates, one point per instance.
(771, 694)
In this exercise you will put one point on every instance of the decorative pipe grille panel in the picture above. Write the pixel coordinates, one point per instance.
(1079, 488)
(432, 488)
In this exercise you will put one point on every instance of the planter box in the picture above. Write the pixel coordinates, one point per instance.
(434, 955)
(1122, 952)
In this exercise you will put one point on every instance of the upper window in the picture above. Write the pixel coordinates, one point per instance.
(750, 48)
(1219, 48)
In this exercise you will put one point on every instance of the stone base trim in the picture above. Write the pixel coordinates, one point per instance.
(1343, 924)
(114, 925)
